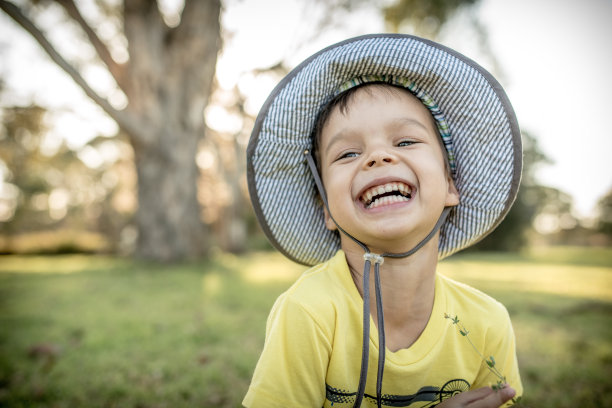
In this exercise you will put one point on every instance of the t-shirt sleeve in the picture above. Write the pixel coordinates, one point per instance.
(501, 344)
(292, 367)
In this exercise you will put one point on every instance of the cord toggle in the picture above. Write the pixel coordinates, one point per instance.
(374, 258)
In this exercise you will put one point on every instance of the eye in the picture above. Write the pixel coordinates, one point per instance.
(347, 155)
(405, 143)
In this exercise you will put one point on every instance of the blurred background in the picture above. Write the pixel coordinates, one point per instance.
(133, 271)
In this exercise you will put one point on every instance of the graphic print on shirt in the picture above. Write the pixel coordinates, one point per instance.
(427, 396)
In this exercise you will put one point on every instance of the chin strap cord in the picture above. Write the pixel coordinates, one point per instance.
(365, 350)
(381, 333)
(378, 260)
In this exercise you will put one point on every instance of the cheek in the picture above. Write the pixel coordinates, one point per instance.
(333, 176)
(434, 175)
(337, 184)
(430, 166)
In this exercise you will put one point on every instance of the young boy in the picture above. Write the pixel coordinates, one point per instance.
(415, 152)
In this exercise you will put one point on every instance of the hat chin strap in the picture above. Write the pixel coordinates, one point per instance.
(378, 260)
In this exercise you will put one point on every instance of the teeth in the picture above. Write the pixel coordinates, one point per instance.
(387, 200)
(387, 188)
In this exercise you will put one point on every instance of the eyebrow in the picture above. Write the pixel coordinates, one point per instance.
(408, 121)
(334, 139)
(401, 121)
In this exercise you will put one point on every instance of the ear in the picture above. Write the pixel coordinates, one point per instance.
(452, 195)
(329, 223)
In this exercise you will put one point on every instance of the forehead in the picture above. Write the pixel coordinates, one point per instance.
(379, 102)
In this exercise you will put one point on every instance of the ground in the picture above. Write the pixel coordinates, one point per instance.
(86, 331)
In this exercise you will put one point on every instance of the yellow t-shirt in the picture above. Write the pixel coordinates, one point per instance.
(312, 353)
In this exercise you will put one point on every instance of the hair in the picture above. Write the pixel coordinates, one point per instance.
(343, 102)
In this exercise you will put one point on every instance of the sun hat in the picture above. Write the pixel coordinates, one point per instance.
(475, 121)
(485, 147)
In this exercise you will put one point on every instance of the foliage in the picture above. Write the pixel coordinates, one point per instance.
(162, 65)
(490, 361)
(51, 188)
(424, 17)
(532, 199)
(221, 188)
(83, 331)
(604, 207)
(22, 128)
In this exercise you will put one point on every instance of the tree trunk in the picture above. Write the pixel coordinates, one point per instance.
(167, 81)
(170, 76)
(168, 217)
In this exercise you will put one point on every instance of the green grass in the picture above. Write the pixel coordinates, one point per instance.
(560, 301)
(80, 331)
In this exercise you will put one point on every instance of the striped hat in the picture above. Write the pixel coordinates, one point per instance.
(474, 117)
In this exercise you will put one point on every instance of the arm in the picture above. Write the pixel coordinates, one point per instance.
(293, 364)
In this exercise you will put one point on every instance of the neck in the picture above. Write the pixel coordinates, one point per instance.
(407, 286)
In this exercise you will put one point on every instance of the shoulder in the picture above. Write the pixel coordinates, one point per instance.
(323, 280)
(319, 292)
(467, 301)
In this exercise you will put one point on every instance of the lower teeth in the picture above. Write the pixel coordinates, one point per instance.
(387, 200)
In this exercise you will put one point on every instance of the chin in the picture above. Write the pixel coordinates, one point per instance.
(396, 240)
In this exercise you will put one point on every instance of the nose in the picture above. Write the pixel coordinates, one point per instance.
(379, 156)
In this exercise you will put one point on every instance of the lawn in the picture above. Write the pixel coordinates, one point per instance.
(82, 331)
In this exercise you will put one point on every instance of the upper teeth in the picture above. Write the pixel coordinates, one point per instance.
(367, 196)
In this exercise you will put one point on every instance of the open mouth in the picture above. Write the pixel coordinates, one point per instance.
(386, 194)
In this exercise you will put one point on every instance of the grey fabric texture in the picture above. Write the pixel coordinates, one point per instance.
(482, 123)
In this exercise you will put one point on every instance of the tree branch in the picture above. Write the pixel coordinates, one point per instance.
(116, 70)
(125, 121)
(196, 17)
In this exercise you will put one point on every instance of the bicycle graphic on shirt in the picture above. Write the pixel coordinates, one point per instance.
(448, 390)
(432, 396)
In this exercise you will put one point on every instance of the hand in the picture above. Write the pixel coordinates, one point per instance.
(484, 397)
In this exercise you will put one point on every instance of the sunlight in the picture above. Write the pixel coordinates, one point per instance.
(271, 267)
(211, 285)
(58, 203)
(590, 282)
(219, 119)
(8, 199)
(256, 38)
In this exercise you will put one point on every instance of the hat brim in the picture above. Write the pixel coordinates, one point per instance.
(485, 133)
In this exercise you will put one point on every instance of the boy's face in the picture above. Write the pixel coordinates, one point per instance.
(383, 169)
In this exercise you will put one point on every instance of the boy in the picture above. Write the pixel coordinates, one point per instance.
(415, 152)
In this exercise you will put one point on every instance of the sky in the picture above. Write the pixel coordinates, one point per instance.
(554, 55)
(557, 57)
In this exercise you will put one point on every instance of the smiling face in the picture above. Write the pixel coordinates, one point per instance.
(383, 169)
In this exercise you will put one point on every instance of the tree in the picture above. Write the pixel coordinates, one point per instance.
(167, 81)
(425, 17)
(50, 199)
(533, 200)
(604, 210)
(21, 162)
